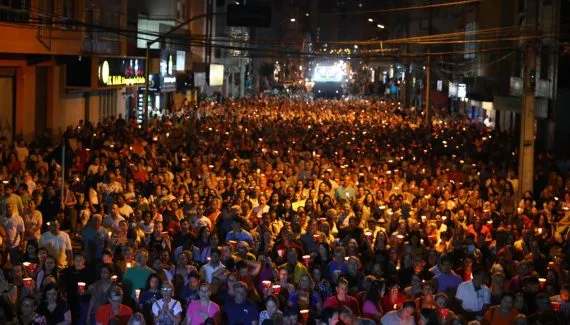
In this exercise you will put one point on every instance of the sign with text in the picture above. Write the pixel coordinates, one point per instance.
(121, 72)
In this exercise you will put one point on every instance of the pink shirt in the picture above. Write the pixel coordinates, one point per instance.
(196, 312)
(369, 309)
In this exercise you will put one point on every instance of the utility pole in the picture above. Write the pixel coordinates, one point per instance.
(428, 91)
(428, 72)
(528, 122)
(526, 149)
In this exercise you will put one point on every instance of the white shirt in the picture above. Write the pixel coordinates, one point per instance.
(14, 227)
(392, 318)
(471, 299)
(33, 220)
(126, 210)
(109, 221)
(209, 270)
(56, 246)
(173, 305)
(258, 210)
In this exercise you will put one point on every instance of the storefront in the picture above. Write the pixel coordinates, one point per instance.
(113, 81)
(125, 73)
(161, 91)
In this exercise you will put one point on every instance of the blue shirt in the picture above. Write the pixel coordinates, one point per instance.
(334, 266)
(244, 313)
(446, 281)
(240, 236)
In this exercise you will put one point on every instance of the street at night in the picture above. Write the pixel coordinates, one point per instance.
(261, 162)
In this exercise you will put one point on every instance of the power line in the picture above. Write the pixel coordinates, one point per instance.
(391, 10)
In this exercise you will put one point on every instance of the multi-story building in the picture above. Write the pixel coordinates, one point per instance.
(169, 56)
(37, 39)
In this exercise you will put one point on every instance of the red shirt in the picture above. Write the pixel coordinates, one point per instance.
(105, 313)
(388, 305)
(350, 302)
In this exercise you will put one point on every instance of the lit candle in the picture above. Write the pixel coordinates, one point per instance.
(81, 286)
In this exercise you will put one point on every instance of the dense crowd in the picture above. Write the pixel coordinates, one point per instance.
(275, 211)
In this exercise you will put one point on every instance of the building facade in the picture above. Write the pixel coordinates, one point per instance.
(37, 39)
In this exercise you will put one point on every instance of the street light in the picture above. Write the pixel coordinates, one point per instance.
(370, 19)
(380, 26)
(292, 20)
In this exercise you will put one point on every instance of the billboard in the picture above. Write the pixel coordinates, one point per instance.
(216, 75)
(121, 72)
(329, 73)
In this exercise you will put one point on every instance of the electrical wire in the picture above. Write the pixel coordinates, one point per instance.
(185, 41)
(392, 10)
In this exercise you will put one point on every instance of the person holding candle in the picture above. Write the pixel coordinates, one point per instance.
(136, 276)
(149, 295)
(304, 297)
(393, 299)
(99, 292)
(78, 272)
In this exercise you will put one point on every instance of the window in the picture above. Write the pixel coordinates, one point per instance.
(67, 13)
(15, 10)
(46, 11)
(181, 9)
(544, 62)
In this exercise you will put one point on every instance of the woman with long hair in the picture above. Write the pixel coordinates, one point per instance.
(149, 296)
(99, 292)
(54, 308)
(371, 308)
(304, 297)
(49, 269)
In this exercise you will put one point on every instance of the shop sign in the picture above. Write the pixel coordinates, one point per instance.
(116, 72)
(158, 83)
(140, 105)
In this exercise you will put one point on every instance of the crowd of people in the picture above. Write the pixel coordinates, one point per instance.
(276, 211)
